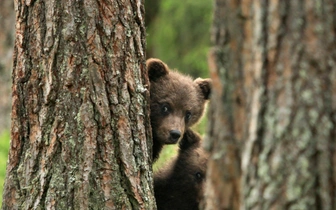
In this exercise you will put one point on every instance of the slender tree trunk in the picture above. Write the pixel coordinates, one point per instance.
(273, 111)
(80, 134)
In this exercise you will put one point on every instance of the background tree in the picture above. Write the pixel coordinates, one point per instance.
(273, 112)
(80, 131)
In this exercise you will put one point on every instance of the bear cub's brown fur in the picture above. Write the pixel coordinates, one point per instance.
(176, 101)
(180, 185)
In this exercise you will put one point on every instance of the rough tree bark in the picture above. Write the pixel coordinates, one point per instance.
(273, 111)
(80, 135)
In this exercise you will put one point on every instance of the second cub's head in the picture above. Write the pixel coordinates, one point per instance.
(176, 100)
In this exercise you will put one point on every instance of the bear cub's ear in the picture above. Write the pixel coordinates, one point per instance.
(205, 85)
(156, 68)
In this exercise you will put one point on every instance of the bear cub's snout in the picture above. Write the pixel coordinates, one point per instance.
(175, 136)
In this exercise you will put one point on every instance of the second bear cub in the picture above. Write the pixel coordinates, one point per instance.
(176, 101)
(180, 185)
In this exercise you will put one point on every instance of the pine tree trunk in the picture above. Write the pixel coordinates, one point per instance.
(80, 136)
(273, 110)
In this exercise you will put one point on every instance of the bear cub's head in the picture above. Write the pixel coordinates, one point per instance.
(176, 101)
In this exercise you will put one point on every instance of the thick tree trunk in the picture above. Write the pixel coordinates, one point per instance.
(80, 135)
(273, 109)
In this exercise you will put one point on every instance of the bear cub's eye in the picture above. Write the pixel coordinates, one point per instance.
(198, 176)
(165, 109)
(188, 115)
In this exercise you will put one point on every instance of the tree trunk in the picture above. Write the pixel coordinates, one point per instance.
(273, 111)
(80, 136)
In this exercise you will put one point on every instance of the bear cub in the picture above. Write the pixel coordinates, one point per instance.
(176, 102)
(180, 184)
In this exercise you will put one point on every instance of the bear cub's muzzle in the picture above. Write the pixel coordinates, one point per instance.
(174, 136)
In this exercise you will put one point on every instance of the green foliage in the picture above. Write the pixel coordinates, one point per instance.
(4, 148)
(201, 126)
(180, 35)
(167, 152)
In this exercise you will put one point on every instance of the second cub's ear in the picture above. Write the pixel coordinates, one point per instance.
(205, 85)
(156, 68)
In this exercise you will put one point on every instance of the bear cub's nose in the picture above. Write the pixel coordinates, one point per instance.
(175, 134)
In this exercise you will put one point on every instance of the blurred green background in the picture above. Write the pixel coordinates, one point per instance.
(4, 147)
(178, 32)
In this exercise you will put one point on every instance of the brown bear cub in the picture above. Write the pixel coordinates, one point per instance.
(180, 185)
(176, 102)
